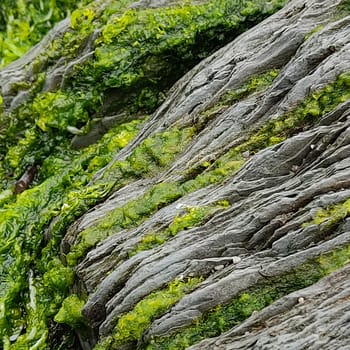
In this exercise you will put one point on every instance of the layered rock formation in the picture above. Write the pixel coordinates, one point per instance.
(218, 221)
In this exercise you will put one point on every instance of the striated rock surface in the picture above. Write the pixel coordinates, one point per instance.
(223, 221)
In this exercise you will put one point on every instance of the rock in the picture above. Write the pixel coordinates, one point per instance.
(282, 181)
(279, 326)
(232, 240)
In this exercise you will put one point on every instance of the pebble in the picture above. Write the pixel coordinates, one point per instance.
(236, 259)
(246, 154)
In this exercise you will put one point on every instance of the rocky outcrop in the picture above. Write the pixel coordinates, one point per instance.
(223, 224)
(312, 318)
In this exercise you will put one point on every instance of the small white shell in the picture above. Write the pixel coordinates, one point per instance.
(301, 300)
(236, 259)
(219, 267)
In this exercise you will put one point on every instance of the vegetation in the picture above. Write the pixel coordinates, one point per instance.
(224, 317)
(131, 325)
(138, 55)
(194, 216)
(70, 312)
(275, 131)
(135, 58)
(24, 23)
(23, 253)
(331, 216)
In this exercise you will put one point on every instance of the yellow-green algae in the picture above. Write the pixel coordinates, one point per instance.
(23, 23)
(28, 300)
(132, 324)
(223, 317)
(34, 281)
(331, 215)
(343, 9)
(70, 312)
(256, 83)
(194, 216)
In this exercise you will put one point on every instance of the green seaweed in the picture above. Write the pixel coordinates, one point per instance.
(330, 216)
(131, 325)
(136, 60)
(223, 317)
(29, 302)
(70, 312)
(314, 31)
(23, 24)
(256, 83)
(34, 282)
(193, 216)
(343, 9)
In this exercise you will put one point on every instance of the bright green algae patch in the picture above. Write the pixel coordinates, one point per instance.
(28, 308)
(224, 317)
(24, 23)
(33, 280)
(71, 312)
(131, 325)
(309, 112)
(139, 55)
(256, 83)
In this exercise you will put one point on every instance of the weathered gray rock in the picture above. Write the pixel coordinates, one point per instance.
(267, 231)
(312, 318)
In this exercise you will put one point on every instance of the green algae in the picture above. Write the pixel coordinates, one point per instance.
(23, 24)
(29, 302)
(343, 9)
(309, 112)
(256, 83)
(330, 216)
(193, 216)
(136, 61)
(70, 312)
(70, 200)
(132, 324)
(223, 317)
(314, 31)
(131, 214)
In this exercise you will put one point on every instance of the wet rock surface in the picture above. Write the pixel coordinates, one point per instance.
(271, 196)
(271, 224)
